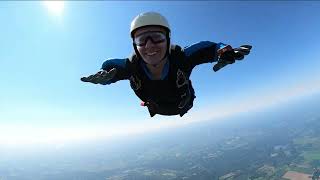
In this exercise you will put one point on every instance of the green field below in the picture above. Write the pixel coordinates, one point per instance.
(311, 155)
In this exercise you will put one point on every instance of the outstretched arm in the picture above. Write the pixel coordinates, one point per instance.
(207, 51)
(112, 70)
(202, 52)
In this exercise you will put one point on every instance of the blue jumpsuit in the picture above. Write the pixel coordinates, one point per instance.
(166, 93)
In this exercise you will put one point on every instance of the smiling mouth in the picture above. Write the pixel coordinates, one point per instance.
(152, 53)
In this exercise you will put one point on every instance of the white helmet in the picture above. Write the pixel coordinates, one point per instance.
(149, 19)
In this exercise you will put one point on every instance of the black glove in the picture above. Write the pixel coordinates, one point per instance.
(242, 51)
(228, 55)
(102, 77)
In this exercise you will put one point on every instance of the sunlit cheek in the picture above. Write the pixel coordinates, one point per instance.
(140, 49)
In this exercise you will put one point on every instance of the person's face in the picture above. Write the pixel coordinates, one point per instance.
(151, 43)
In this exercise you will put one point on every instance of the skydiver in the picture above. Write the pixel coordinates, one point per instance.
(159, 71)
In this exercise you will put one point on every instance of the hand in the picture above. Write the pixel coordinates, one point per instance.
(228, 55)
(101, 77)
(242, 51)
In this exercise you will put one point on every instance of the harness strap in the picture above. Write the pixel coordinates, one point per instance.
(182, 82)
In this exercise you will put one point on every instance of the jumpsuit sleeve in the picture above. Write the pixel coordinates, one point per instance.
(121, 65)
(202, 52)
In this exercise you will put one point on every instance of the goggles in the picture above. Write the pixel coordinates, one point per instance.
(156, 37)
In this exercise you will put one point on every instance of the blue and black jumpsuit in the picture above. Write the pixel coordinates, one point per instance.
(173, 94)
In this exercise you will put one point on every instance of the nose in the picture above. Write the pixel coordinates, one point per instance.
(149, 43)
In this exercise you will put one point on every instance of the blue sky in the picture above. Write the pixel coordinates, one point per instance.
(43, 55)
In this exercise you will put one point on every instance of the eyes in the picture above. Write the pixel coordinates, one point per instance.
(156, 37)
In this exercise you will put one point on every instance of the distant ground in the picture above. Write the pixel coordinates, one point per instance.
(274, 144)
(292, 175)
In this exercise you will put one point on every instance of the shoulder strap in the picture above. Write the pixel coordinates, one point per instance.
(178, 58)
